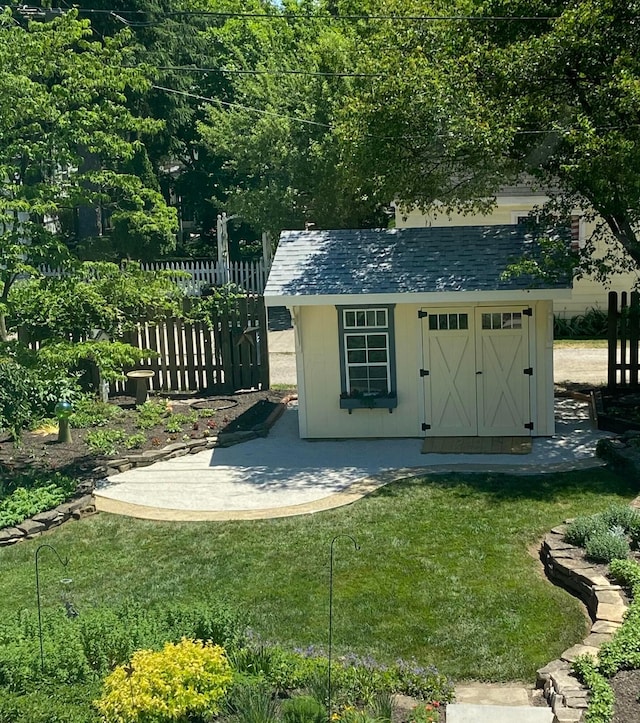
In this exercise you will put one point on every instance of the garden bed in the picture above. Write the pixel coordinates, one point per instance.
(122, 433)
(616, 412)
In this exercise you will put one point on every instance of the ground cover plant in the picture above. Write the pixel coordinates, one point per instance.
(26, 494)
(608, 535)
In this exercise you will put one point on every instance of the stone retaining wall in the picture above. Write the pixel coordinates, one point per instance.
(565, 565)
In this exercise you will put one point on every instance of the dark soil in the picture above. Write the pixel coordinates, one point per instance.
(626, 688)
(39, 450)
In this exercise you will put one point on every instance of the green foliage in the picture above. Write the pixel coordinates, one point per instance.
(151, 413)
(50, 704)
(67, 134)
(303, 709)
(91, 412)
(135, 441)
(95, 295)
(590, 325)
(16, 410)
(607, 546)
(23, 503)
(582, 528)
(252, 702)
(104, 441)
(425, 713)
(184, 680)
(605, 536)
(601, 701)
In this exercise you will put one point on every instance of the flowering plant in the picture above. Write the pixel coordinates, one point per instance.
(425, 713)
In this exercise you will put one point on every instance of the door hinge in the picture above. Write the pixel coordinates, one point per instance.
(422, 314)
(528, 311)
(424, 426)
(529, 426)
(424, 372)
(528, 370)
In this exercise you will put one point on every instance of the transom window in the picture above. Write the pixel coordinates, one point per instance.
(366, 349)
(505, 320)
(448, 322)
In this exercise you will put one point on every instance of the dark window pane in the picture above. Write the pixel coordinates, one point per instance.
(356, 341)
(442, 321)
(463, 321)
(433, 322)
(486, 321)
(453, 321)
(378, 356)
(378, 372)
(349, 318)
(377, 341)
(357, 357)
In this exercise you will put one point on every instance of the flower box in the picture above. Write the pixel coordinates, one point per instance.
(388, 401)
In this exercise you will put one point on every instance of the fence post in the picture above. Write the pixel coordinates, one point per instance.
(612, 340)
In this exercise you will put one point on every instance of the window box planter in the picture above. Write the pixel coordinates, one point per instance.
(389, 402)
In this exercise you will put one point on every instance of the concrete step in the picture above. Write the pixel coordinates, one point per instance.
(474, 713)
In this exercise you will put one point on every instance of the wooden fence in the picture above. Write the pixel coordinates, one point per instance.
(229, 356)
(192, 274)
(623, 338)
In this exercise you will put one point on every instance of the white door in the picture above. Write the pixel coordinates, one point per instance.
(450, 373)
(476, 372)
(503, 372)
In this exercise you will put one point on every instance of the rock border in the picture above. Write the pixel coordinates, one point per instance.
(84, 504)
(565, 565)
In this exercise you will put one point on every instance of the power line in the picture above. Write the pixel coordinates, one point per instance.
(241, 107)
(120, 15)
(241, 71)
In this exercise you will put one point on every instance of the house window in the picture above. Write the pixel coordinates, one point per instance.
(453, 322)
(367, 355)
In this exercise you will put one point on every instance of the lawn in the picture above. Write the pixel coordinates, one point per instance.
(445, 572)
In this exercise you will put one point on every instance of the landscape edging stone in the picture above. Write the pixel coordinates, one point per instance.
(564, 564)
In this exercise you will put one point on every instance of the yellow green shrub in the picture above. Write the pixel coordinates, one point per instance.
(186, 679)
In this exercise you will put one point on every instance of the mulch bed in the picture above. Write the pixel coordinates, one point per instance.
(234, 412)
(626, 687)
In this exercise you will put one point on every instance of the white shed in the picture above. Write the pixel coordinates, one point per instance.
(416, 332)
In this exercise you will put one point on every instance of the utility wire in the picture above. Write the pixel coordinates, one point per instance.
(119, 14)
(266, 71)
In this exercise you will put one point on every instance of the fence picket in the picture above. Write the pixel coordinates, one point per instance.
(623, 340)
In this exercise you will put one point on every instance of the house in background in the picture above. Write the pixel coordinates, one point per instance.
(513, 205)
(414, 332)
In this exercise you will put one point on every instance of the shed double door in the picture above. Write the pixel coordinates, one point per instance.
(476, 370)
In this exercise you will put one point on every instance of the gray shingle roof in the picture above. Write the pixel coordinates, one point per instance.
(450, 259)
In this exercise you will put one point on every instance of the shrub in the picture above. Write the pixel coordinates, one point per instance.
(623, 516)
(16, 409)
(582, 528)
(189, 678)
(607, 546)
(303, 709)
(23, 503)
(590, 325)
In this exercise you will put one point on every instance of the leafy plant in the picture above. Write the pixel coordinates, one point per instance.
(24, 503)
(607, 546)
(601, 699)
(425, 713)
(104, 441)
(303, 709)
(90, 412)
(184, 680)
(16, 409)
(582, 528)
(151, 414)
(253, 702)
(593, 324)
(174, 423)
(135, 441)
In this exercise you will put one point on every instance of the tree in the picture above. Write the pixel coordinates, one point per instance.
(285, 164)
(486, 101)
(62, 99)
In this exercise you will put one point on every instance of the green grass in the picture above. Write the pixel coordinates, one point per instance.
(443, 575)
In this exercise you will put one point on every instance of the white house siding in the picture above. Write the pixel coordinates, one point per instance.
(587, 292)
(318, 365)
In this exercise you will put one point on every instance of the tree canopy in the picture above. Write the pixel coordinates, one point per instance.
(67, 137)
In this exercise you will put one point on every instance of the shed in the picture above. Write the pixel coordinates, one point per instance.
(417, 332)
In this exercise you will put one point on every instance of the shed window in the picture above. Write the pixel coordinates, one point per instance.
(367, 359)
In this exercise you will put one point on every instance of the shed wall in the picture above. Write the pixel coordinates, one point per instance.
(318, 369)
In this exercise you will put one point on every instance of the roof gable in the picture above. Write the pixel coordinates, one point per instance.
(399, 261)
